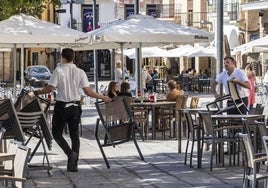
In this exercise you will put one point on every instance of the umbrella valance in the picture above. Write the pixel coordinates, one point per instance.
(147, 52)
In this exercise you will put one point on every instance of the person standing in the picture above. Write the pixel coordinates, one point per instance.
(236, 75)
(146, 78)
(68, 79)
(118, 75)
(251, 77)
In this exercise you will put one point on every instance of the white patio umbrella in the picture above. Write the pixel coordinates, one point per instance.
(180, 51)
(147, 52)
(22, 31)
(143, 31)
(202, 52)
(258, 45)
(28, 31)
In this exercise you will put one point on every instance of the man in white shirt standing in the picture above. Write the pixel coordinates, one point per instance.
(235, 75)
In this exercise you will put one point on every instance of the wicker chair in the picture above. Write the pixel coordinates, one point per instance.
(166, 115)
(252, 163)
(118, 123)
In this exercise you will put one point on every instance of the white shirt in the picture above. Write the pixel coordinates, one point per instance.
(118, 75)
(239, 74)
(146, 77)
(68, 79)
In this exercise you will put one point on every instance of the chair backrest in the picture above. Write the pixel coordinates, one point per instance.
(206, 122)
(2, 133)
(20, 163)
(265, 143)
(233, 90)
(9, 120)
(256, 110)
(12, 149)
(194, 102)
(181, 101)
(190, 122)
(248, 147)
(261, 126)
(117, 119)
(129, 99)
(28, 120)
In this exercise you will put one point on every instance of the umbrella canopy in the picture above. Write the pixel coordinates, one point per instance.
(146, 52)
(28, 31)
(180, 51)
(146, 30)
(202, 52)
(257, 45)
(143, 31)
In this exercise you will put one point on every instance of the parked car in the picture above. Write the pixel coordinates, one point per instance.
(37, 75)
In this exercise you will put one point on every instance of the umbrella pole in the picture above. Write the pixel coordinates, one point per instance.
(22, 67)
(122, 61)
(14, 66)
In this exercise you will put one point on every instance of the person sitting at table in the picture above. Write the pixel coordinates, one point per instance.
(125, 90)
(113, 89)
(173, 91)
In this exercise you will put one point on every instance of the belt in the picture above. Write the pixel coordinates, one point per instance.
(68, 104)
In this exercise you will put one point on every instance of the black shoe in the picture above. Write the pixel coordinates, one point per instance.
(72, 162)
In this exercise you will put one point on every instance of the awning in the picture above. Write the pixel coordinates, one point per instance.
(256, 5)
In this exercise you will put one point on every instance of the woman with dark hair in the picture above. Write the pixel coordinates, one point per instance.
(113, 89)
(125, 90)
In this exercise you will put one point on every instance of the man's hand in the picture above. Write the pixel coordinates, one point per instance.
(216, 95)
(106, 98)
(31, 94)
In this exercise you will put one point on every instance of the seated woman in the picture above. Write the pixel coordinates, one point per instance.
(125, 90)
(173, 91)
(113, 89)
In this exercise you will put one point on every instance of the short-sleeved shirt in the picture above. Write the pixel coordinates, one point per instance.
(118, 75)
(239, 74)
(68, 79)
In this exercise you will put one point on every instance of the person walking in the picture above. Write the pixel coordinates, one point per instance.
(251, 77)
(236, 75)
(68, 79)
(118, 75)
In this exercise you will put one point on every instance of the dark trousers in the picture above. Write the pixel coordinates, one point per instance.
(61, 117)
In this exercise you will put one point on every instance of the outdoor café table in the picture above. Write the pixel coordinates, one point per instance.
(154, 106)
(236, 117)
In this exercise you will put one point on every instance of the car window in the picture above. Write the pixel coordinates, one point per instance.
(39, 70)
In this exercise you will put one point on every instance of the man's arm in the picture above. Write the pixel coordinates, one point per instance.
(245, 84)
(88, 91)
(44, 90)
(213, 88)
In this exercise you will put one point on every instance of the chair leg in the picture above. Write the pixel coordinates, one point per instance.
(136, 145)
(186, 151)
(191, 154)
